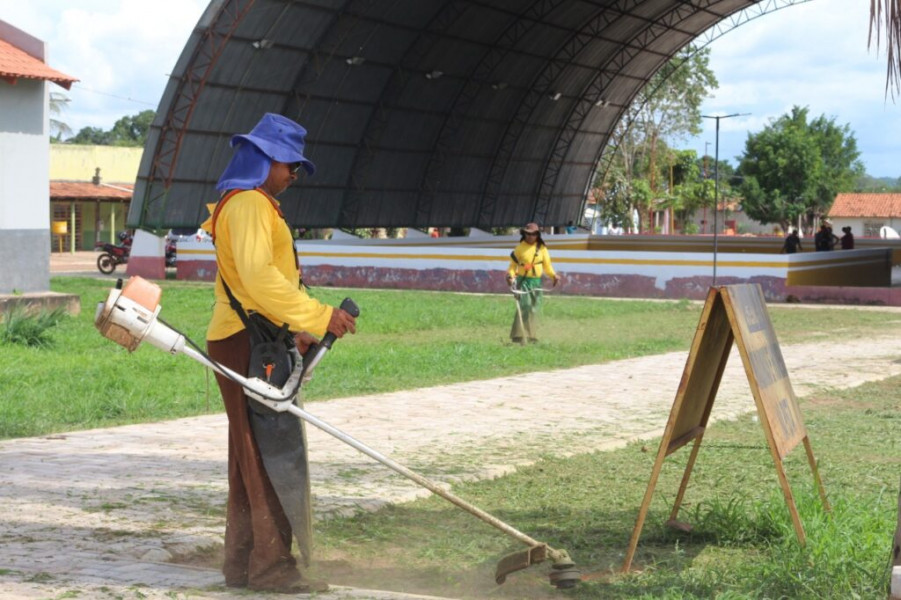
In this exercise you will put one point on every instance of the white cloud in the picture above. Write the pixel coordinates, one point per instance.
(121, 51)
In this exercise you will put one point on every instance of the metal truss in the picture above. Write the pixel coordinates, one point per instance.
(542, 85)
(197, 71)
(484, 75)
(374, 130)
(592, 98)
(607, 153)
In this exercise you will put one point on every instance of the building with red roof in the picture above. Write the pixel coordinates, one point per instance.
(25, 164)
(866, 214)
(16, 64)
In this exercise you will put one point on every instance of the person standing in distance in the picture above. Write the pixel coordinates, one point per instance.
(528, 262)
(792, 243)
(257, 265)
(847, 240)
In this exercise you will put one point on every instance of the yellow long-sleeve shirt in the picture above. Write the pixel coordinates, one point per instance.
(255, 254)
(531, 261)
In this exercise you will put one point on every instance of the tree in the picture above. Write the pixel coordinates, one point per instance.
(795, 168)
(671, 104)
(127, 131)
(874, 185)
(93, 136)
(668, 108)
(690, 190)
(842, 167)
(132, 131)
(57, 103)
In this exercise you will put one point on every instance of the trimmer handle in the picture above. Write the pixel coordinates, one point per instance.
(315, 353)
(350, 307)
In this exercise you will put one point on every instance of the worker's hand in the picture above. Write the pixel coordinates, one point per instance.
(304, 340)
(556, 280)
(341, 322)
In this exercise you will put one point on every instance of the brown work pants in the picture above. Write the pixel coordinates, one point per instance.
(258, 535)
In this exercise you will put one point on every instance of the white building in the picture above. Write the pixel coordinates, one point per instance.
(866, 214)
(25, 161)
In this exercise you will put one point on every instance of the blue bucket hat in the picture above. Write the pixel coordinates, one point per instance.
(279, 138)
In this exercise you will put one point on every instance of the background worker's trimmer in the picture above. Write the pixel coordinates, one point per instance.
(130, 316)
(519, 320)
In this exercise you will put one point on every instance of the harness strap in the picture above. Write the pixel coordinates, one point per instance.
(228, 197)
(522, 264)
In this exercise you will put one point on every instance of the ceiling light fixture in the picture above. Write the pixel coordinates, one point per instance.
(555, 96)
(355, 61)
(262, 44)
(434, 74)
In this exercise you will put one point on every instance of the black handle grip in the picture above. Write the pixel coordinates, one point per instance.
(352, 309)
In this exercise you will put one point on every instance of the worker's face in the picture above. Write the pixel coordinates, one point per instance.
(281, 175)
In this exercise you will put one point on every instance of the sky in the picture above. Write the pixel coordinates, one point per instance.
(812, 54)
(121, 51)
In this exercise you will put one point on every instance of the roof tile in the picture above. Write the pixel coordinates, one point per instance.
(866, 205)
(81, 190)
(16, 63)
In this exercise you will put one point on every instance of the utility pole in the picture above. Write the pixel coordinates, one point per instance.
(706, 154)
(716, 180)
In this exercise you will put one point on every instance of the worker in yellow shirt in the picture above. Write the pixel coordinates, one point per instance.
(268, 480)
(528, 262)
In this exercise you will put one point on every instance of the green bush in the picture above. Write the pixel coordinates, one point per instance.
(19, 327)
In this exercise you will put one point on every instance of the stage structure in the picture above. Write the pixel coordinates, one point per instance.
(420, 113)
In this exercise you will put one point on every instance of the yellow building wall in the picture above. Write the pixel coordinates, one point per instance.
(93, 221)
(117, 164)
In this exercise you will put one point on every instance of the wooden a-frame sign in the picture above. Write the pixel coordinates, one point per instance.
(732, 313)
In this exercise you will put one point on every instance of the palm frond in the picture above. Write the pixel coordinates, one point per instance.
(885, 17)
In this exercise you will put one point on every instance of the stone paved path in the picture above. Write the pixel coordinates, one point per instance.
(103, 511)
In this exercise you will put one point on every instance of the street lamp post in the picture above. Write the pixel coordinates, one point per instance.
(716, 180)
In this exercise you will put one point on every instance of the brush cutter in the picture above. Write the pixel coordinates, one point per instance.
(519, 321)
(517, 296)
(518, 292)
(130, 316)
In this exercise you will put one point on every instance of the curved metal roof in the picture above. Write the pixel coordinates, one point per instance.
(475, 113)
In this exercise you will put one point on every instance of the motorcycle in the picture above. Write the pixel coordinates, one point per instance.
(170, 253)
(113, 255)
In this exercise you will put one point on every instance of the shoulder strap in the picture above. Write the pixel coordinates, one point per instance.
(233, 302)
(535, 257)
(228, 197)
